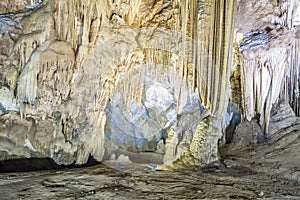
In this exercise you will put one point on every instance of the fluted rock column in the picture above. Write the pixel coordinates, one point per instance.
(291, 89)
(212, 57)
(270, 65)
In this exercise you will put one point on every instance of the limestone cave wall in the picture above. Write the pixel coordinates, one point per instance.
(114, 78)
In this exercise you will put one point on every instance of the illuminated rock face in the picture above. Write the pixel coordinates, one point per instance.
(269, 57)
(105, 78)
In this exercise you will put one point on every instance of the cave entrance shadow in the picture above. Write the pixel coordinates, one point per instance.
(38, 164)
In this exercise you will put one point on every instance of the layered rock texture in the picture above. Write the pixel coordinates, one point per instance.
(164, 82)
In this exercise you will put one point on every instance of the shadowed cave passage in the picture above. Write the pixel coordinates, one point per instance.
(38, 164)
(233, 118)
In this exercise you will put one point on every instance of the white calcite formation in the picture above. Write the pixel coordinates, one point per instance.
(269, 58)
(121, 78)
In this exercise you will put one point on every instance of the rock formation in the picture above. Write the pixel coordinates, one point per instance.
(170, 78)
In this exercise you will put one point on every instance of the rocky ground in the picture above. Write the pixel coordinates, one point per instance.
(241, 176)
(251, 167)
(102, 182)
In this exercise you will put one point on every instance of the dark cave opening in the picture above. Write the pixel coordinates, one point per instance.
(38, 164)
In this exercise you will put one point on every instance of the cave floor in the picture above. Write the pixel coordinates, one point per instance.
(270, 170)
(107, 182)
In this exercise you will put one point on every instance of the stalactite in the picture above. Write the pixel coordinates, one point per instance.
(42, 74)
(79, 24)
(262, 78)
(286, 13)
(95, 52)
(27, 87)
(211, 62)
(33, 35)
(290, 91)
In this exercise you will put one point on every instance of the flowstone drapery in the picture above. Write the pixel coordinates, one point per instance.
(111, 78)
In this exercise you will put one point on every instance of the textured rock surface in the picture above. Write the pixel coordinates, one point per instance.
(268, 45)
(145, 80)
(99, 78)
(100, 182)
